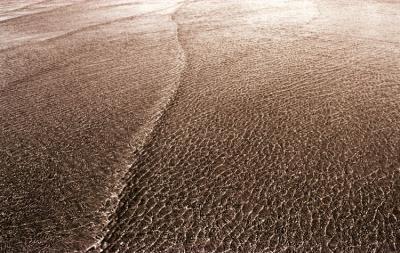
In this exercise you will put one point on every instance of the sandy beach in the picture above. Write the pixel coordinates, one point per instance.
(200, 126)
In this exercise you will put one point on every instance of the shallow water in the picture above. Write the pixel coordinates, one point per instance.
(200, 126)
(79, 93)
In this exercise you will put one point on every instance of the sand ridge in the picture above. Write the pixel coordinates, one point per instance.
(199, 126)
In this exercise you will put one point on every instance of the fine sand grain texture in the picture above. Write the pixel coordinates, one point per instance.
(81, 86)
(200, 126)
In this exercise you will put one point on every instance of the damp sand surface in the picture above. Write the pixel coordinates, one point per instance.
(200, 126)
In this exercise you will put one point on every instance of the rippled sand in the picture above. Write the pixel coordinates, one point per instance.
(200, 126)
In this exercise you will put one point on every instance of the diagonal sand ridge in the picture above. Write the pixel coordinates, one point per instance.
(199, 126)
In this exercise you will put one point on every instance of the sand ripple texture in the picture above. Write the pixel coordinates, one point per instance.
(81, 85)
(200, 126)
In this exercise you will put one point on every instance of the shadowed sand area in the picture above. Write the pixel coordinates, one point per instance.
(200, 126)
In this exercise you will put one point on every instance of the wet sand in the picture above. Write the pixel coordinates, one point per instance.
(200, 126)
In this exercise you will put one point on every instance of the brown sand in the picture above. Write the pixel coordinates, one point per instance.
(224, 126)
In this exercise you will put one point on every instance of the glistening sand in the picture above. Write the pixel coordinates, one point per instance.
(200, 126)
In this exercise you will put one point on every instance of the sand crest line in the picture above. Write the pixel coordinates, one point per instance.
(148, 136)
